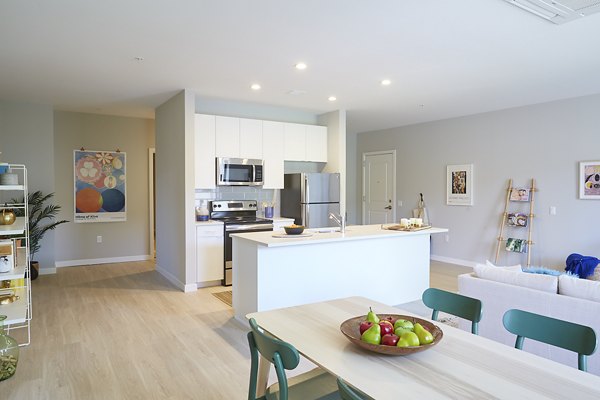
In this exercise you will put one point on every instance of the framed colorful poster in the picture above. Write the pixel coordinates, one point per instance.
(99, 194)
(459, 185)
(589, 180)
(519, 194)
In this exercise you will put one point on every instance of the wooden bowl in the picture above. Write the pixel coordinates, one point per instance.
(351, 329)
(294, 230)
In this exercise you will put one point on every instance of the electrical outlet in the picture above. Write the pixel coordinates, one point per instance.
(98, 239)
(447, 238)
(552, 210)
(400, 203)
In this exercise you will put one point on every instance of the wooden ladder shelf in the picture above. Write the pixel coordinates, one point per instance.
(503, 223)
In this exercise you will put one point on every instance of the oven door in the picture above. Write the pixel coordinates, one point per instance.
(228, 253)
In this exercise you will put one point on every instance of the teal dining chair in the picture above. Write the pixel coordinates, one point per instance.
(348, 393)
(315, 384)
(567, 335)
(455, 304)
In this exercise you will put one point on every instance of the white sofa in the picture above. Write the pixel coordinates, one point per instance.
(498, 297)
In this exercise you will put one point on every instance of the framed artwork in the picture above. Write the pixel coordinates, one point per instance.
(519, 194)
(517, 219)
(99, 186)
(459, 185)
(589, 180)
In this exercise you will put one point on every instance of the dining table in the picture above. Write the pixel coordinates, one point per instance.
(461, 366)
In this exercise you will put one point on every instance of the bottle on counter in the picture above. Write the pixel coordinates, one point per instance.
(202, 212)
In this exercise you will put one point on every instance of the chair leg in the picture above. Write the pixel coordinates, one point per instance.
(434, 315)
(475, 328)
(582, 362)
(519, 342)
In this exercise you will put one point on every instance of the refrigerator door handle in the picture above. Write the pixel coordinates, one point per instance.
(306, 190)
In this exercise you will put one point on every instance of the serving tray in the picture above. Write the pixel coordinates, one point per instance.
(404, 228)
(286, 236)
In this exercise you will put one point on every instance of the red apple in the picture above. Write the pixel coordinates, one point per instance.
(390, 340)
(386, 327)
(390, 318)
(364, 326)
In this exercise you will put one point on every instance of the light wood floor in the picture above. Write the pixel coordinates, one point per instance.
(121, 331)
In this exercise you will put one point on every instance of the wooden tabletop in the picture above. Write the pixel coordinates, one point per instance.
(461, 366)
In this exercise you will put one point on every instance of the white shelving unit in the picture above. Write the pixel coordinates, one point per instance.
(19, 312)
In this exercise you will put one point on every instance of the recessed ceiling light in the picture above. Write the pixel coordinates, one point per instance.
(386, 82)
(300, 66)
(255, 86)
(332, 98)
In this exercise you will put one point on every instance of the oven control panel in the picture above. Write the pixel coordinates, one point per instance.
(234, 205)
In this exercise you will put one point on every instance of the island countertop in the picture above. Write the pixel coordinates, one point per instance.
(324, 235)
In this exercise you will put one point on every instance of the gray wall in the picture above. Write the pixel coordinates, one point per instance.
(175, 213)
(27, 137)
(134, 136)
(544, 141)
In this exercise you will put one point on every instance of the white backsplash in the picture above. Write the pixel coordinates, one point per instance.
(240, 193)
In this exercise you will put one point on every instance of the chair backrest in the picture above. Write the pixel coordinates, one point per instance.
(283, 356)
(346, 393)
(568, 335)
(455, 304)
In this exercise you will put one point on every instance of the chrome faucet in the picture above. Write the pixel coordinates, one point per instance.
(341, 221)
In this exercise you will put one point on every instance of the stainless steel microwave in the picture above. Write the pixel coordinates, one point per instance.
(239, 172)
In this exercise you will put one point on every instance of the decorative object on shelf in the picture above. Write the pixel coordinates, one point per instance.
(7, 257)
(516, 219)
(9, 353)
(459, 185)
(519, 194)
(589, 180)
(100, 186)
(38, 213)
(8, 217)
(516, 245)
(9, 178)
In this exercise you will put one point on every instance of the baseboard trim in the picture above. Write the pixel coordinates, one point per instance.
(93, 261)
(456, 261)
(186, 288)
(47, 271)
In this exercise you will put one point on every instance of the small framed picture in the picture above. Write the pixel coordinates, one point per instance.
(516, 245)
(516, 219)
(459, 185)
(519, 194)
(589, 180)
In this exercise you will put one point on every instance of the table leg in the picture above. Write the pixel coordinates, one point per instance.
(264, 367)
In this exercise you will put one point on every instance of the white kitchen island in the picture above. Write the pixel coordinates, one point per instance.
(391, 267)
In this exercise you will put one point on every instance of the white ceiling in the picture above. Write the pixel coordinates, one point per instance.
(445, 58)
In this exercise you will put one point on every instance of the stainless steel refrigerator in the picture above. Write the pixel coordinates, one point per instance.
(310, 197)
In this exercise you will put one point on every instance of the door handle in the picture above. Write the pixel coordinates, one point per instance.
(387, 208)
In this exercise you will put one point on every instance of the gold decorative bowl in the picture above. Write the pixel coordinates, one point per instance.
(351, 329)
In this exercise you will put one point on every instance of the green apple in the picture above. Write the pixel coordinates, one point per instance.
(400, 330)
(411, 338)
(403, 323)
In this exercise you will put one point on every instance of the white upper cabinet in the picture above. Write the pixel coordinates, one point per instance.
(227, 131)
(273, 145)
(204, 128)
(251, 138)
(316, 143)
(295, 142)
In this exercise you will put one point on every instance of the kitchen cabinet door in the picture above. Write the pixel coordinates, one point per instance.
(273, 146)
(294, 142)
(227, 130)
(204, 155)
(251, 138)
(316, 143)
(209, 253)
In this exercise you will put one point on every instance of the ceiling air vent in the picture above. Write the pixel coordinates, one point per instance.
(559, 11)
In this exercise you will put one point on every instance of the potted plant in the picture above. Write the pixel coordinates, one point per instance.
(41, 220)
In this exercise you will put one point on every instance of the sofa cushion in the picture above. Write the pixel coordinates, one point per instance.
(545, 283)
(516, 267)
(580, 288)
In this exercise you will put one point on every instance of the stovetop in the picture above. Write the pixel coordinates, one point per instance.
(243, 220)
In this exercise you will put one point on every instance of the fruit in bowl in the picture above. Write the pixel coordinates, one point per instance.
(294, 229)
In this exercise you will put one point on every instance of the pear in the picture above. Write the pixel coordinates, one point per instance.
(425, 337)
(402, 343)
(372, 335)
(372, 317)
(411, 338)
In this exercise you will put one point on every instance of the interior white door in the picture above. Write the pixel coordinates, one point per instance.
(379, 193)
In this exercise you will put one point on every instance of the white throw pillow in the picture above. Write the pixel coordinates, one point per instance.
(580, 288)
(545, 283)
(506, 267)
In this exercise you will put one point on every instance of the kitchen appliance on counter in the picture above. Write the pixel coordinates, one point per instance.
(238, 216)
(239, 172)
(310, 197)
